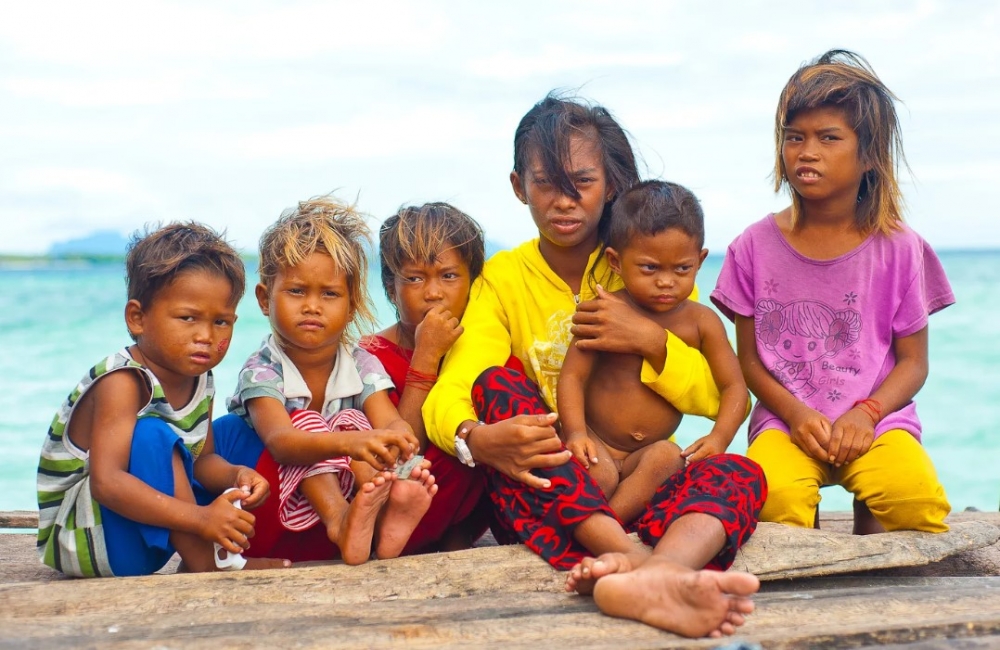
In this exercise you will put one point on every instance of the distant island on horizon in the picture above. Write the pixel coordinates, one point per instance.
(110, 246)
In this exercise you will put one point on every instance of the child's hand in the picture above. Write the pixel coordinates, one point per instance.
(255, 487)
(380, 448)
(810, 430)
(436, 333)
(852, 436)
(583, 448)
(227, 525)
(703, 447)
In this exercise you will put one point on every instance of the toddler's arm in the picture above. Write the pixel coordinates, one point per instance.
(733, 395)
(570, 393)
(384, 417)
(291, 446)
(809, 429)
(854, 431)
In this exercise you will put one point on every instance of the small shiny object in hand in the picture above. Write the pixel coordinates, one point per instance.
(403, 470)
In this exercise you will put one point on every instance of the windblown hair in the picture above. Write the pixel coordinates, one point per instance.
(545, 131)
(845, 80)
(653, 206)
(323, 224)
(420, 233)
(156, 256)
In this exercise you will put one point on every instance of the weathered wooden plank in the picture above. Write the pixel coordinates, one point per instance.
(821, 617)
(778, 552)
(774, 552)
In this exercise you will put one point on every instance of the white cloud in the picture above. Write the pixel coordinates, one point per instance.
(114, 112)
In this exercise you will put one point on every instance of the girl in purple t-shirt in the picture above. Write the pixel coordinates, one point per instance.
(830, 298)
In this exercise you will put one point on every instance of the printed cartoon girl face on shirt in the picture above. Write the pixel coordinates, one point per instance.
(800, 333)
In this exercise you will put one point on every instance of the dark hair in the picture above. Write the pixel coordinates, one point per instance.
(156, 256)
(653, 206)
(422, 232)
(545, 131)
(844, 80)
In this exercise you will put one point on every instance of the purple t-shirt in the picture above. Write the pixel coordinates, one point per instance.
(824, 328)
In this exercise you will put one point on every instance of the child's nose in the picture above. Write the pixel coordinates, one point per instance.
(432, 290)
(565, 201)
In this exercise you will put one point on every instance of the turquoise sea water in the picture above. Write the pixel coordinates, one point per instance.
(57, 320)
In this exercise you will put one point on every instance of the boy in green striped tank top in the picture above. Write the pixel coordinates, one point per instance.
(128, 468)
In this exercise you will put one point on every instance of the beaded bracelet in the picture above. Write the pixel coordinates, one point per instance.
(870, 407)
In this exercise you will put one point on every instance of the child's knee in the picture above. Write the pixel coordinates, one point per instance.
(663, 457)
(911, 503)
(791, 502)
(897, 481)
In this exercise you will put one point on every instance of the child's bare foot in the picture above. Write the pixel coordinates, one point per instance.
(584, 575)
(256, 563)
(678, 599)
(409, 500)
(353, 532)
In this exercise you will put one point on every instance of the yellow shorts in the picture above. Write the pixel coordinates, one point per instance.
(895, 479)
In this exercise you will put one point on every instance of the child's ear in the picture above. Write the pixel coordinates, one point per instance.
(518, 187)
(262, 298)
(133, 318)
(701, 257)
(614, 260)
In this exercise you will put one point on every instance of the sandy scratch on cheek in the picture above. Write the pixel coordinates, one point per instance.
(223, 345)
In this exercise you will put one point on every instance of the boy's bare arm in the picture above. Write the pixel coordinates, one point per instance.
(570, 395)
(117, 399)
(733, 395)
(809, 429)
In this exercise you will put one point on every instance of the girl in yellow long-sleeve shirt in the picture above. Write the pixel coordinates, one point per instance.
(570, 161)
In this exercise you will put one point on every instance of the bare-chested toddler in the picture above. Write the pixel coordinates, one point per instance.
(616, 426)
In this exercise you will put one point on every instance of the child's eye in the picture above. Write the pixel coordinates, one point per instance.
(451, 276)
(331, 294)
(187, 319)
(412, 279)
(649, 268)
(541, 181)
(684, 269)
(792, 137)
(295, 291)
(223, 322)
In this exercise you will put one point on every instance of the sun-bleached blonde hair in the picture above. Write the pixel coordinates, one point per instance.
(324, 224)
(843, 79)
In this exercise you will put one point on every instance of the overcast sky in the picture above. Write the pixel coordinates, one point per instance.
(114, 114)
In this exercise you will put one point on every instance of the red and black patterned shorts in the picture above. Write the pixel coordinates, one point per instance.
(728, 486)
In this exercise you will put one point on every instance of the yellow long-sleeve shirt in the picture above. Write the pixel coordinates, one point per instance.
(520, 306)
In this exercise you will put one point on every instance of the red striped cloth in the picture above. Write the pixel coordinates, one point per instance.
(294, 510)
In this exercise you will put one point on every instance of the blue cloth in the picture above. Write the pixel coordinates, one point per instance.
(140, 549)
(236, 441)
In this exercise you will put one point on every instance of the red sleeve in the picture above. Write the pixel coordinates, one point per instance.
(394, 359)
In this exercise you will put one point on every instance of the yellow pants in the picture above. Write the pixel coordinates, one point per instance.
(895, 479)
